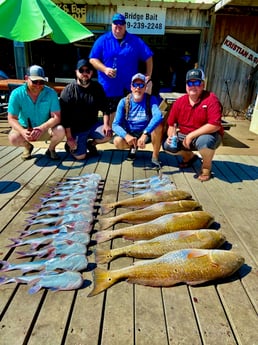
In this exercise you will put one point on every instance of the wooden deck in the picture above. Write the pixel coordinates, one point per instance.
(217, 313)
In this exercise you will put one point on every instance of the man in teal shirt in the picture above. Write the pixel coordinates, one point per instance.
(34, 114)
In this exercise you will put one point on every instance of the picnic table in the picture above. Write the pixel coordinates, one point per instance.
(215, 313)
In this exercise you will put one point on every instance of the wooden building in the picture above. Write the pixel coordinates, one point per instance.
(218, 35)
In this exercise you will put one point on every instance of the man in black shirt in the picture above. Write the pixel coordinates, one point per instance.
(80, 103)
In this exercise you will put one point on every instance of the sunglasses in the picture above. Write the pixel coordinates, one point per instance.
(37, 82)
(194, 83)
(140, 85)
(84, 70)
(118, 22)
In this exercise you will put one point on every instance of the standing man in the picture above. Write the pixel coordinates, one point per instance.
(34, 114)
(116, 56)
(197, 116)
(80, 102)
(138, 121)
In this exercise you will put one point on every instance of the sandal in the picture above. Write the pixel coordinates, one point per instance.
(189, 163)
(205, 175)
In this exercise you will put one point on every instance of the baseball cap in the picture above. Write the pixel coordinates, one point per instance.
(36, 72)
(139, 76)
(84, 62)
(196, 74)
(118, 17)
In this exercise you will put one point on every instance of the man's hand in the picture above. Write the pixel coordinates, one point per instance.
(131, 141)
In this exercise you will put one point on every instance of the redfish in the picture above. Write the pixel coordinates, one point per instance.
(149, 213)
(190, 266)
(206, 239)
(146, 199)
(162, 225)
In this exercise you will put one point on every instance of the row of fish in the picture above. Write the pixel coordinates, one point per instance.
(172, 232)
(67, 213)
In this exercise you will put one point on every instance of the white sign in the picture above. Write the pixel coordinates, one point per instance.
(240, 51)
(144, 20)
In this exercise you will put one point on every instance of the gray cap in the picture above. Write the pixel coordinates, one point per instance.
(36, 72)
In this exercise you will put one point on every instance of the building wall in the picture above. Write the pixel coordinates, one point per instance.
(224, 67)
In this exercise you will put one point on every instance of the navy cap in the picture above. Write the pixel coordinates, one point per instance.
(36, 72)
(84, 62)
(195, 74)
(118, 17)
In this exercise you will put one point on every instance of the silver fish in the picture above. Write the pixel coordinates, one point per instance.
(62, 211)
(164, 188)
(69, 280)
(66, 228)
(92, 176)
(60, 220)
(74, 262)
(81, 237)
(60, 248)
(75, 197)
(148, 183)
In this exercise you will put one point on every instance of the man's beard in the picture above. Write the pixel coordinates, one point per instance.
(84, 82)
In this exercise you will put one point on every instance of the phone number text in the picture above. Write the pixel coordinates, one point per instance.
(142, 25)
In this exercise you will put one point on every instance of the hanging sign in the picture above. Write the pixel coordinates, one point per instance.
(240, 51)
(77, 11)
(144, 20)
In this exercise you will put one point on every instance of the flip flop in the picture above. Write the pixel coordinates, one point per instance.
(189, 163)
(205, 175)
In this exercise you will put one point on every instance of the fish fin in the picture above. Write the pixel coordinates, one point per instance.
(106, 223)
(104, 236)
(106, 208)
(103, 256)
(34, 289)
(102, 280)
(195, 253)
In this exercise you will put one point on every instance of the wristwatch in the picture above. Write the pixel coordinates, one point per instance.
(145, 132)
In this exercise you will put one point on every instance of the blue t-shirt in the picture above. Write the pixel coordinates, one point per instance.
(127, 53)
(137, 118)
(21, 105)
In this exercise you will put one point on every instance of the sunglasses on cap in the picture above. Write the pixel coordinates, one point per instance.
(118, 22)
(193, 82)
(140, 85)
(37, 82)
(84, 70)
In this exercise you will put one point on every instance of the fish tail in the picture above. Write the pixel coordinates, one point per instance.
(6, 280)
(4, 265)
(104, 236)
(103, 256)
(106, 223)
(23, 254)
(16, 243)
(106, 208)
(102, 280)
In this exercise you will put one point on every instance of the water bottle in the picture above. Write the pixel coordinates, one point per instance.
(173, 140)
(114, 66)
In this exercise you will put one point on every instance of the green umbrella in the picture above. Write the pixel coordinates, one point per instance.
(29, 20)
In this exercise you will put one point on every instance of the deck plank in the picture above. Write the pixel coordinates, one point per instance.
(223, 312)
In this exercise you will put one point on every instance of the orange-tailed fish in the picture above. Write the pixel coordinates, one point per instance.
(149, 213)
(150, 249)
(190, 266)
(146, 199)
(162, 225)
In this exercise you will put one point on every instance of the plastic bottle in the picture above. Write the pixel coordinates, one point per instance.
(173, 143)
(114, 66)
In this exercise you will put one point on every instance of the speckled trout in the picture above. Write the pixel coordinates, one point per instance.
(149, 213)
(190, 266)
(146, 199)
(204, 238)
(162, 225)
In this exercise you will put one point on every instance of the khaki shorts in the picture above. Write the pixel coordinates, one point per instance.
(44, 136)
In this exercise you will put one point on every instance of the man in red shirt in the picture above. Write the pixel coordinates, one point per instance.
(197, 119)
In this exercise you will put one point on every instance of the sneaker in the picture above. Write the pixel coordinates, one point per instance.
(132, 154)
(52, 155)
(27, 152)
(93, 152)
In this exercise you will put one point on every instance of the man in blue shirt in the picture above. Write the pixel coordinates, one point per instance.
(34, 114)
(116, 56)
(134, 125)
